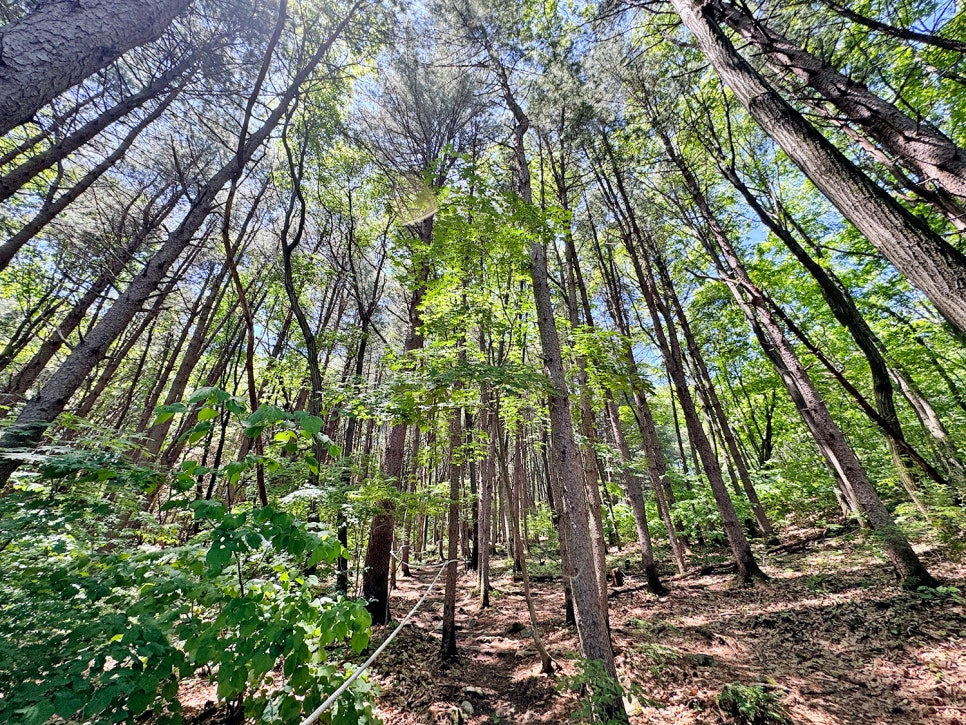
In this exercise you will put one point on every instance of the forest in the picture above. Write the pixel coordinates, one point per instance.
(466, 361)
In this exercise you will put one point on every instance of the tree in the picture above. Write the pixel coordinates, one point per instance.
(927, 260)
(60, 43)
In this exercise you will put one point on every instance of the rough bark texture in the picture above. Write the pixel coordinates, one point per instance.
(830, 439)
(50, 401)
(375, 577)
(915, 143)
(62, 42)
(928, 261)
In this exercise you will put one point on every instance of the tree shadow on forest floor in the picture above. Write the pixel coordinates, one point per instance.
(831, 635)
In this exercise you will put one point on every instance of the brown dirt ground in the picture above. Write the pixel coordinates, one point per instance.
(831, 636)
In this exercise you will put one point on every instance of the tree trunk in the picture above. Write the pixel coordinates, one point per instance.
(448, 644)
(375, 577)
(915, 143)
(50, 401)
(52, 207)
(632, 488)
(60, 43)
(927, 260)
(828, 436)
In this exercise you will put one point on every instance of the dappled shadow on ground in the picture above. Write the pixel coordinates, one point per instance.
(497, 673)
(831, 636)
(839, 644)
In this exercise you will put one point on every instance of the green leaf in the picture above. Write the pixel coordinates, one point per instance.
(311, 424)
(360, 640)
(313, 464)
(163, 417)
(207, 414)
(139, 700)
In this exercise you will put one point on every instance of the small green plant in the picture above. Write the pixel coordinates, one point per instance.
(940, 593)
(658, 656)
(751, 705)
(817, 582)
(110, 609)
(601, 698)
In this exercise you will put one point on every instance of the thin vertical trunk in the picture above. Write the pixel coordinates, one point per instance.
(670, 348)
(448, 644)
(375, 577)
(592, 627)
(843, 307)
(828, 436)
(632, 488)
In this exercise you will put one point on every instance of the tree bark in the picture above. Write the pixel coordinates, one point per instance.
(928, 261)
(37, 415)
(828, 436)
(916, 143)
(61, 42)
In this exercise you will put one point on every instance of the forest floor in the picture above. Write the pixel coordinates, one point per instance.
(831, 636)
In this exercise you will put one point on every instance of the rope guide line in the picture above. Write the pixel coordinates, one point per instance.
(365, 665)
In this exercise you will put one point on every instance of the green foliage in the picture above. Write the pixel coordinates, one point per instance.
(110, 612)
(751, 705)
(941, 593)
(599, 693)
(658, 656)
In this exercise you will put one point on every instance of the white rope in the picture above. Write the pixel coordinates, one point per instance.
(355, 675)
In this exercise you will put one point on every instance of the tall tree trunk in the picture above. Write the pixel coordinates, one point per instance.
(632, 488)
(375, 577)
(927, 260)
(843, 307)
(60, 43)
(592, 626)
(448, 644)
(52, 207)
(707, 389)
(14, 180)
(670, 349)
(50, 401)
(828, 436)
(914, 142)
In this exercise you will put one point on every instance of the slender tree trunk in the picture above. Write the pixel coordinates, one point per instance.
(828, 436)
(448, 645)
(592, 627)
(53, 207)
(14, 180)
(546, 663)
(843, 307)
(670, 348)
(632, 488)
(50, 401)
(375, 577)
